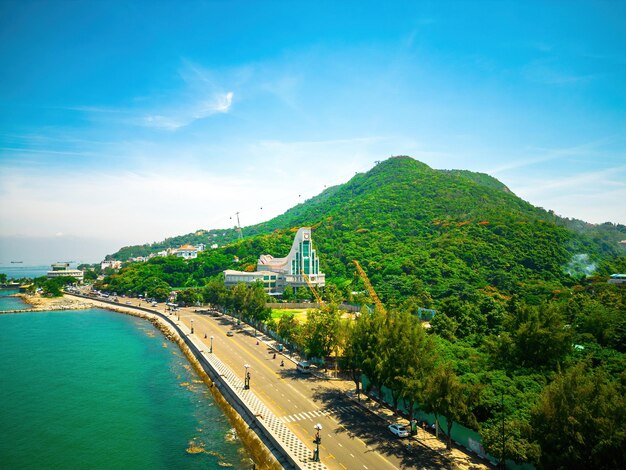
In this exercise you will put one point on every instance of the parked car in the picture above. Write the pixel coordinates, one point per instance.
(303, 367)
(230, 333)
(398, 430)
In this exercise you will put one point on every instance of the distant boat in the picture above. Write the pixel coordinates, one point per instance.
(17, 262)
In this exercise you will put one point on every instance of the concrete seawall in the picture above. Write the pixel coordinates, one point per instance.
(286, 448)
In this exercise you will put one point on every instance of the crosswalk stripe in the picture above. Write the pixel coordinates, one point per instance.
(316, 413)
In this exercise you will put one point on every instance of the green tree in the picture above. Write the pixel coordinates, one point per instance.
(215, 293)
(320, 335)
(332, 294)
(356, 348)
(514, 438)
(302, 293)
(446, 396)
(374, 331)
(419, 363)
(237, 299)
(580, 421)
(191, 296)
(444, 326)
(54, 287)
(288, 327)
(535, 336)
(288, 293)
(255, 304)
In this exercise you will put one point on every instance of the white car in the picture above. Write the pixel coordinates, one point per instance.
(398, 430)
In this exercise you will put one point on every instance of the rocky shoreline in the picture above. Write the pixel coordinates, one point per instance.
(39, 303)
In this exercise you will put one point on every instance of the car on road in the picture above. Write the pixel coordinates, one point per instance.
(303, 367)
(398, 430)
(230, 333)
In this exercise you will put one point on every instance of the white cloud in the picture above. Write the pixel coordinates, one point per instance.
(176, 118)
(595, 197)
(144, 206)
(223, 103)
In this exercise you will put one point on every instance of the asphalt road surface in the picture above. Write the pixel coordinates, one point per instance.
(352, 437)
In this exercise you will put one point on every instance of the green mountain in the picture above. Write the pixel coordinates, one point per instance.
(418, 230)
(530, 339)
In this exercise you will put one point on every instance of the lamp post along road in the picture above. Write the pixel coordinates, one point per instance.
(318, 441)
(246, 381)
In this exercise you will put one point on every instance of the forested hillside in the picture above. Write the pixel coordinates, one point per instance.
(524, 341)
(418, 230)
(415, 228)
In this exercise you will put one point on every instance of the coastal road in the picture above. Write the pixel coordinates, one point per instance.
(352, 437)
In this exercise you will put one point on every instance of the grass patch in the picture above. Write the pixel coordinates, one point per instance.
(299, 313)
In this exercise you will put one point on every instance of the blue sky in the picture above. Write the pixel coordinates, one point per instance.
(127, 122)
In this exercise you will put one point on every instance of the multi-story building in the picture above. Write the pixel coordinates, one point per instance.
(187, 252)
(617, 279)
(278, 273)
(63, 269)
(115, 264)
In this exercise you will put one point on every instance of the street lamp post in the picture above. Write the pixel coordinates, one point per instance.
(211, 348)
(318, 441)
(192, 326)
(246, 381)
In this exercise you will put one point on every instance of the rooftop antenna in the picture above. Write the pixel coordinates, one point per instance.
(239, 227)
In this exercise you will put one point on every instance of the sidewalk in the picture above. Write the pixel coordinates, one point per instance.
(265, 418)
(457, 456)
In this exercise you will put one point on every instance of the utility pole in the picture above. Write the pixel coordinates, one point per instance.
(239, 227)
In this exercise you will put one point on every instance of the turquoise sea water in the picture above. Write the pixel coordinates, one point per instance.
(11, 303)
(19, 271)
(100, 390)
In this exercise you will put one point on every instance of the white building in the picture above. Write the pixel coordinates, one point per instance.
(278, 273)
(63, 269)
(114, 264)
(187, 252)
(617, 278)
